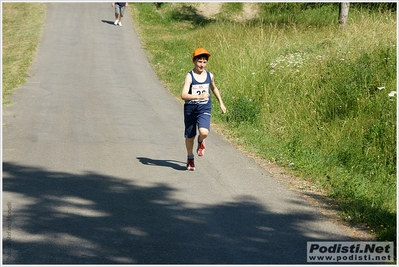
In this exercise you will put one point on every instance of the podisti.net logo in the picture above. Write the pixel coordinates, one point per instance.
(365, 252)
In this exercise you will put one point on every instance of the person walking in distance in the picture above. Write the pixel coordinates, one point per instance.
(197, 87)
(119, 11)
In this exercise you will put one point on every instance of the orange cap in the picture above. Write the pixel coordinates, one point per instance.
(200, 51)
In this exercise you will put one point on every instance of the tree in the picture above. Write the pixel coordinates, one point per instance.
(343, 13)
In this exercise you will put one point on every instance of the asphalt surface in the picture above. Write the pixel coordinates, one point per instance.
(94, 165)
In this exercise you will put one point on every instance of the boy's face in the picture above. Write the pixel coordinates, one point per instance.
(200, 64)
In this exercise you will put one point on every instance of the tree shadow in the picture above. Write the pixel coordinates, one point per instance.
(90, 218)
(177, 165)
(190, 13)
(158, 5)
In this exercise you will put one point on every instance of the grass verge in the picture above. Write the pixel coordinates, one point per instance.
(300, 91)
(22, 28)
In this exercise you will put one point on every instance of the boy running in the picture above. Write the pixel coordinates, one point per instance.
(198, 104)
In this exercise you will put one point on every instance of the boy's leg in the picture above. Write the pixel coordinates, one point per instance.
(203, 133)
(190, 146)
(201, 141)
(204, 124)
(190, 155)
(190, 125)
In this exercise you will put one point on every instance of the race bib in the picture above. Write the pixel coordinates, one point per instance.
(198, 89)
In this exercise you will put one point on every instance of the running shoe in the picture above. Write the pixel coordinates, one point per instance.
(120, 23)
(190, 165)
(116, 22)
(201, 148)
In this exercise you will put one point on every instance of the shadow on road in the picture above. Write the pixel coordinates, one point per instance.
(108, 22)
(93, 218)
(177, 165)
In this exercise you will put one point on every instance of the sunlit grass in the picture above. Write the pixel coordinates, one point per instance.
(22, 27)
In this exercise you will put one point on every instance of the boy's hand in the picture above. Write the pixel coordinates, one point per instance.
(204, 96)
(223, 108)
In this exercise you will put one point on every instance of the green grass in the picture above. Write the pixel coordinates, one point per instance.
(22, 27)
(299, 90)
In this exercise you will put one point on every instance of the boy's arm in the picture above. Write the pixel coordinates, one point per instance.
(216, 92)
(186, 87)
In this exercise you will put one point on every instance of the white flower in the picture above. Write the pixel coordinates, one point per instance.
(380, 88)
(392, 94)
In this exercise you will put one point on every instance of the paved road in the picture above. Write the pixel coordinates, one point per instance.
(94, 165)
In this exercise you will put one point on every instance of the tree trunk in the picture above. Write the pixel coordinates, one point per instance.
(343, 13)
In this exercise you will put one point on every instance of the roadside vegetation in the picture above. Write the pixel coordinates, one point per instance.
(22, 28)
(314, 98)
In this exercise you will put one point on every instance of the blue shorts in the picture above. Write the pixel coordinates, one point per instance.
(196, 115)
